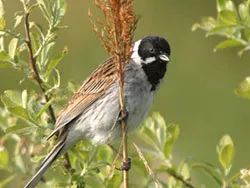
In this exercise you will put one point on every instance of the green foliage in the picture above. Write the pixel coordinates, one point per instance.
(231, 22)
(26, 118)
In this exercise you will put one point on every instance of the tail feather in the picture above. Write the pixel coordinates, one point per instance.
(49, 159)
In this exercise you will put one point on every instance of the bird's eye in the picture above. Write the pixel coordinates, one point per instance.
(152, 50)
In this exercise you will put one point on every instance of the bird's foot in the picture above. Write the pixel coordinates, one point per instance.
(125, 165)
(123, 116)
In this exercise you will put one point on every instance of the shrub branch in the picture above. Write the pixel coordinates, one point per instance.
(116, 34)
(37, 78)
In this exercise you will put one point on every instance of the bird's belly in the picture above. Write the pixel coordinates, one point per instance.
(99, 124)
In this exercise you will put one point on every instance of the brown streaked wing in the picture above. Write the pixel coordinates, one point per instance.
(92, 89)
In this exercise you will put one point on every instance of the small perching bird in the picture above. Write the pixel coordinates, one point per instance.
(93, 112)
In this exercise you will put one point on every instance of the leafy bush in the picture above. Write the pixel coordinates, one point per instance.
(28, 116)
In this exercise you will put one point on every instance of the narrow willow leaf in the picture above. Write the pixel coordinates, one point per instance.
(18, 20)
(45, 107)
(25, 98)
(161, 128)
(18, 129)
(19, 112)
(2, 12)
(4, 159)
(46, 53)
(2, 23)
(60, 11)
(228, 43)
(53, 63)
(11, 98)
(13, 47)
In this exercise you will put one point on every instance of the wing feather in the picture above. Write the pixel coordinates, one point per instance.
(91, 90)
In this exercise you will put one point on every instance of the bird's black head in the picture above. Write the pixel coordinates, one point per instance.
(153, 54)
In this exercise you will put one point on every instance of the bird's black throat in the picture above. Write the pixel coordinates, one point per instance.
(155, 71)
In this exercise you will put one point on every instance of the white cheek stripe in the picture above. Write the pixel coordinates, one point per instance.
(149, 60)
(135, 56)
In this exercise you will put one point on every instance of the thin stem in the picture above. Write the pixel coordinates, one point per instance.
(32, 62)
(36, 76)
(120, 53)
(150, 171)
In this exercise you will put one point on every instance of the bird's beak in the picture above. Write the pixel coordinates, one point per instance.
(164, 57)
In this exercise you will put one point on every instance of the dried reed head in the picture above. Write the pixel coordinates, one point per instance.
(116, 30)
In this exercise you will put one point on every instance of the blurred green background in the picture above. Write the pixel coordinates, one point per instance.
(198, 92)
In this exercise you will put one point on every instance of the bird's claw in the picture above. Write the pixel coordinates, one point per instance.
(125, 165)
(123, 116)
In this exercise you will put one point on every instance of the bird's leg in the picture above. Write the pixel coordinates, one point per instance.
(125, 165)
(123, 116)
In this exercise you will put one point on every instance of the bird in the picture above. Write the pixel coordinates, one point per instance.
(93, 113)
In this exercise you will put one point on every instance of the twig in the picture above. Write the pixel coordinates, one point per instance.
(32, 62)
(116, 35)
(180, 178)
(156, 181)
(36, 76)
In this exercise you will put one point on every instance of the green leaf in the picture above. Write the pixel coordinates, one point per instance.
(228, 43)
(115, 181)
(4, 56)
(227, 17)
(225, 5)
(212, 171)
(161, 128)
(2, 12)
(46, 53)
(25, 98)
(93, 181)
(226, 157)
(17, 21)
(4, 159)
(244, 88)
(224, 141)
(11, 98)
(60, 11)
(173, 132)
(19, 112)
(53, 63)
(45, 107)
(20, 163)
(104, 153)
(18, 129)
(222, 30)
(2, 23)
(13, 47)
(242, 11)
(226, 152)
(183, 170)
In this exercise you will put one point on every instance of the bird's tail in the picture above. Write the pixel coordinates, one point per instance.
(49, 159)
